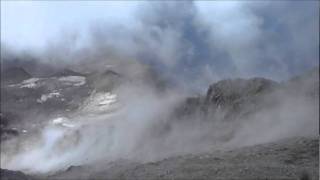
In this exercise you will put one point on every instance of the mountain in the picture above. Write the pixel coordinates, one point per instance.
(233, 95)
(252, 128)
(307, 83)
(242, 96)
(34, 98)
(67, 72)
(105, 80)
(14, 75)
(14, 175)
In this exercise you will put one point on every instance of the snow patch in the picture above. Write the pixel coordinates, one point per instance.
(68, 125)
(62, 121)
(57, 120)
(45, 97)
(101, 102)
(73, 80)
(106, 99)
(28, 83)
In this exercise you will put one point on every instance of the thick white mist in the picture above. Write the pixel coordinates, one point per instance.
(92, 135)
(137, 126)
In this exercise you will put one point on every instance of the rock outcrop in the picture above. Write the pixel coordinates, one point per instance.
(14, 75)
(14, 175)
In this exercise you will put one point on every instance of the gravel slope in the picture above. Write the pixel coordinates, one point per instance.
(294, 158)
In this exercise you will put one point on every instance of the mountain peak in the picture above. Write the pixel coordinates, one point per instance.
(67, 72)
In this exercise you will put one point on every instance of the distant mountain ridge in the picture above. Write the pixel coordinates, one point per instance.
(14, 75)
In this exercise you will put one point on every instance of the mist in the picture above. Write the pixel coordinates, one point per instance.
(203, 42)
(185, 46)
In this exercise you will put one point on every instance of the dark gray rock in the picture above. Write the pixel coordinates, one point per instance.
(14, 175)
(67, 72)
(235, 96)
(14, 75)
(227, 92)
(105, 81)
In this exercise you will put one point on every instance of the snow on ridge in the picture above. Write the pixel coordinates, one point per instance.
(74, 80)
(35, 82)
(28, 83)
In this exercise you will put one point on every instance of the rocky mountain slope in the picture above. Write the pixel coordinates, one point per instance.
(14, 75)
(32, 98)
(27, 100)
(219, 130)
(294, 158)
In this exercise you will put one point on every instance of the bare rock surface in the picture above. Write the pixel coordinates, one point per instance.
(294, 158)
(14, 175)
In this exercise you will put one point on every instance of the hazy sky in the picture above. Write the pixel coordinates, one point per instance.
(32, 23)
(201, 39)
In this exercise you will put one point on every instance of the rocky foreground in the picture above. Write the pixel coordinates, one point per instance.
(294, 158)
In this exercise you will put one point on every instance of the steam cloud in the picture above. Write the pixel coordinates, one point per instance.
(192, 45)
(202, 42)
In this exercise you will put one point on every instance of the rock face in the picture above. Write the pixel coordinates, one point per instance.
(105, 81)
(233, 98)
(255, 105)
(234, 92)
(243, 96)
